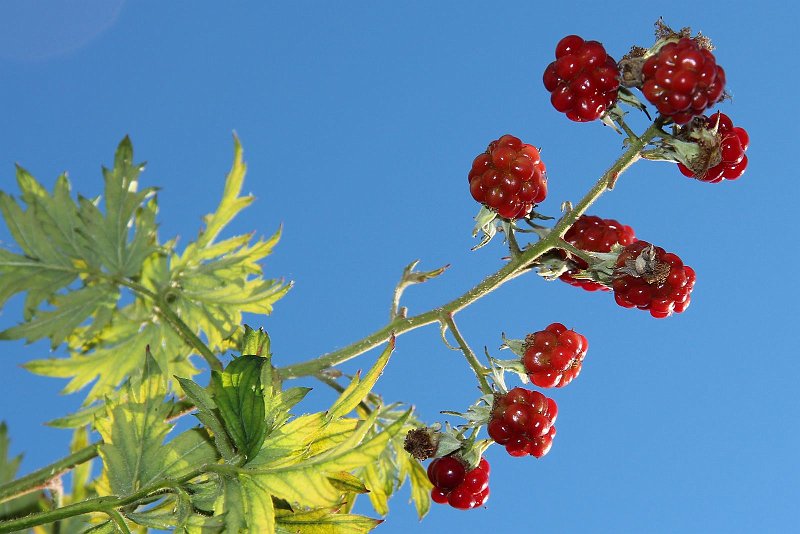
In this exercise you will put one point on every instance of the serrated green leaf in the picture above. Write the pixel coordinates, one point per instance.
(255, 343)
(360, 388)
(308, 483)
(418, 479)
(208, 414)
(71, 310)
(239, 396)
(133, 451)
(248, 506)
(322, 521)
(122, 356)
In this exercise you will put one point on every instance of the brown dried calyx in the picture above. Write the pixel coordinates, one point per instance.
(646, 267)
(421, 443)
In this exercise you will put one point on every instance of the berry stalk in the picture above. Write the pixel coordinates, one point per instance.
(516, 266)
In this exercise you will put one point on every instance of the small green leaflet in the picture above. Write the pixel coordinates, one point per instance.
(358, 388)
(322, 521)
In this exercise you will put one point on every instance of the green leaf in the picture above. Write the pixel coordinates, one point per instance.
(208, 414)
(70, 311)
(239, 396)
(133, 451)
(360, 388)
(248, 506)
(308, 483)
(255, 342)
(322, 521)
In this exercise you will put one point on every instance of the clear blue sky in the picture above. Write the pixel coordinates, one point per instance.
(359, 122)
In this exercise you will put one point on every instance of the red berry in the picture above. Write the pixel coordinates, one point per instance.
(446, 473)
(454, 485)
(553, 363)
(594, 234)
(583, 80)
(682, 80)
(730, 147)
(648, 278)
(520, 419)
(509, 178)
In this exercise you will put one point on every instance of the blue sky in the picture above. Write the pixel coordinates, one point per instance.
(359, 123)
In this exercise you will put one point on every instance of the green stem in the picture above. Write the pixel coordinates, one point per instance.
(117, 518)
(575, 251)
(510, 270)
(164, 311)
(106, 505)
(472, 360)
(39, 478)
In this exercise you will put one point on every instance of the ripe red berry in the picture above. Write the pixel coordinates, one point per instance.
(457, 486)
(648, 278)
(730, 148)
(594, 235)
(508, 178)
(682, 80)
(522, 420)
(553, 358)
(583, 80)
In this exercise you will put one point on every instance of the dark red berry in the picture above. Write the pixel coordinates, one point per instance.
(522, 420)
(727, 146)
(648, 278)
(454, 484)
(583, 80)
(553, 358)
(509, 178)
(446, 473)
(594, 234)
(682, 80)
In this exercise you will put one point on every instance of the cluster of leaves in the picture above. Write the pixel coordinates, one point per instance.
(76, 263)
(250, 466)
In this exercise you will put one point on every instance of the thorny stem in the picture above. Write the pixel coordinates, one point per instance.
(516, 266)
(106, 505)
(447, 319)
(41, 478)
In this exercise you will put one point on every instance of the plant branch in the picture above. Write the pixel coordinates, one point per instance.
(472, 360)
(40, 478)
(516, 266)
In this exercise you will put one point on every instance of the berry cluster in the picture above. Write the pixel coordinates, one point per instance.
(509, 178)
(553, 357)
(682, 80)
(454, 485)
(594, 234)
(733, 142)
(522, 420)
(583, 79)
(648, 278)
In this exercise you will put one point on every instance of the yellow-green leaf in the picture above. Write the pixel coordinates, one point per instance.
(360, 388)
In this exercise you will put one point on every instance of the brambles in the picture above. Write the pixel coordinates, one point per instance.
(593, 234)
(682, 79)
(508, 178)
(553, 357)
(648, 278)
(721, 149)
(583, 80)
(522, 420)
(455, 485)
